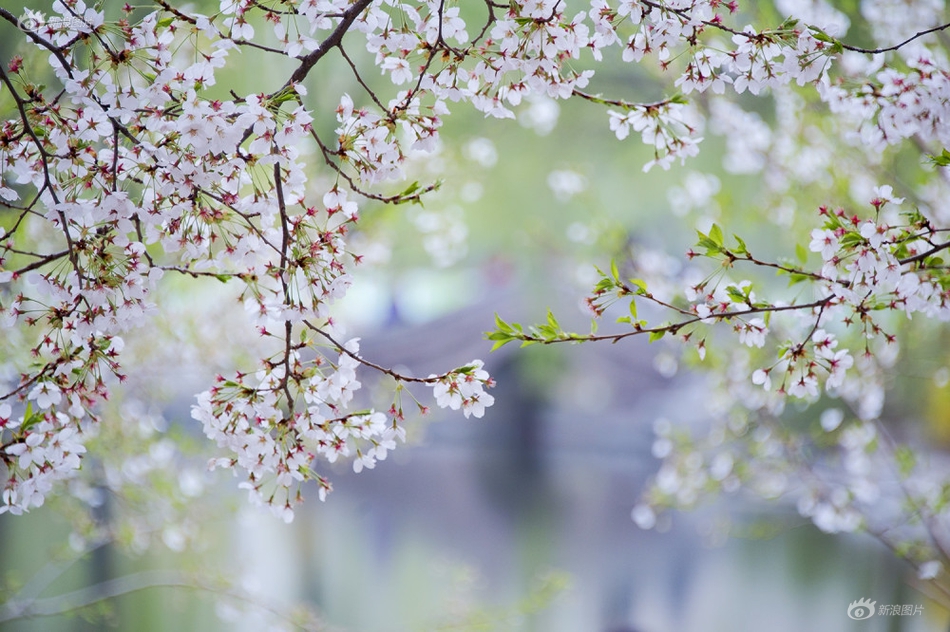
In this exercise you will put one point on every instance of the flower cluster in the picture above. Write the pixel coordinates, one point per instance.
(127, 170)
(833, 342)
(48, 452)
(464, 388)
(281, 421)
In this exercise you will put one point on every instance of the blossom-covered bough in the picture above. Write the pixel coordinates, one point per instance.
(125, 162)
(127, 171)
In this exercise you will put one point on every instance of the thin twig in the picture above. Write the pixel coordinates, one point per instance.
(873, 51)
(396, 376)
(671, 328)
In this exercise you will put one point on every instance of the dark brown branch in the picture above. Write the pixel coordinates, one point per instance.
(621, 104)
(285, 288)
(801, 346)
(42, 262)
(310, 60)
(115, 158)
(491, 6)
(872, 51)
(46, 174)
(242, 215)
(267, 49)
(924, 255)
(672, 328)
(777, 266)
(396, 376)
(178, 14)
(57, 52)
(684, 13)
(385, 199)
(359, 79)
(21, 108)
(197, 274)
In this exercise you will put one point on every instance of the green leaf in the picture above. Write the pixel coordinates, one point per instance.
(735, 294)
(501, 324)
(633, 309)
(408, 191)
(604, 285)
(943, 160)
(851, 239)
(801, 253)
(31, 417)
(614, 272)
(715, 233)
(287, 93)
(707, 242)
(656, 335)
(501, 343)
(820, 35)
(741, 248)
(641, 285)
(788, 24)
(798, 278)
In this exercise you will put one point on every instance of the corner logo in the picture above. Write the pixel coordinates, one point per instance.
(32, 21)
(861, 609)
(29, 22)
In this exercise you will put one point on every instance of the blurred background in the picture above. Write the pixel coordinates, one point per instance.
(518, 521)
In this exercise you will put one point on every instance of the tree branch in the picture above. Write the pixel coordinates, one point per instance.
(56, 51)
(310, 60)
(924, 255)
(671, 328)
(396, 376)
(873, 51)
